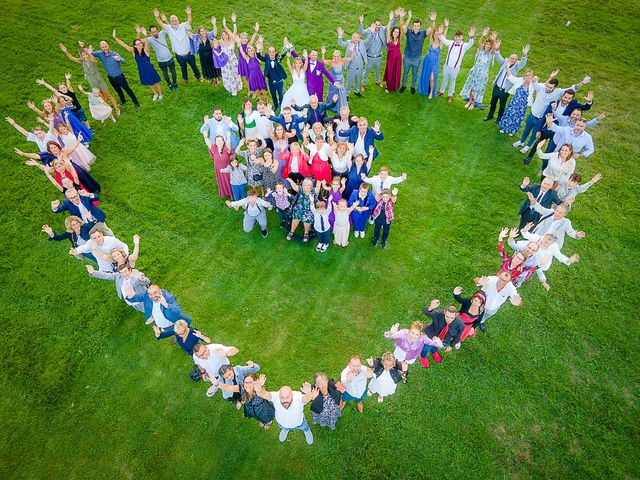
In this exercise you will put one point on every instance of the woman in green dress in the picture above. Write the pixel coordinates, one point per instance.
(92, 74)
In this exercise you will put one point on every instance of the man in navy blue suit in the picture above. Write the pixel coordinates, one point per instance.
(160, 308)
(544, 196)
(291, 122)
(362, 137)
(80, 205)
(316, 110)
(273, 73)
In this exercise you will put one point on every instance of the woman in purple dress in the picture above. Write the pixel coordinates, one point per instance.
(244, 42)
(257, 84)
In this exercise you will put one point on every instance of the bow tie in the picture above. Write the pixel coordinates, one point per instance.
(457, 44)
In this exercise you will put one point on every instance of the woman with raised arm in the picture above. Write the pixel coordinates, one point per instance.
(428, 82)
(148, 75)
(54, 108)
(244, 42)
(301, 210)
(76, 231)
(478, 77)
(557, 165)
(256, 83)
(471, 311)
(522, 91)
(393, 70)
(203, 43)
(221, 153)
(81, 155)
(92, 73)
(231, 79)
(298, 89)
(67, 90)
(337, 64)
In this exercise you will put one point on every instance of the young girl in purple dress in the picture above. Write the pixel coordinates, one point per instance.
(334, 194)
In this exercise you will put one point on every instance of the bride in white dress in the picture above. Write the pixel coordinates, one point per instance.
(298, 89)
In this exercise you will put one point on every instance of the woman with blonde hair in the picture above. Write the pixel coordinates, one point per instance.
(387, 373)
(337, 64)
(186, 337)
(77, 232)
(117, 256)
(478, 77)
(409, 341)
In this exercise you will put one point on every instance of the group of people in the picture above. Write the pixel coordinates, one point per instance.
(312, 160)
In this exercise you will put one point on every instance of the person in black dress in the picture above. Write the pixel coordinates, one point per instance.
(205, 52)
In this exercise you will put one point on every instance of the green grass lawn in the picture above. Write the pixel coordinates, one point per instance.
(551, 390)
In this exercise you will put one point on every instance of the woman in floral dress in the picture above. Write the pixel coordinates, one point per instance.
(478, 77)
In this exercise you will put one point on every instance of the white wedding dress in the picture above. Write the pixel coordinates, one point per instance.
(297, 91)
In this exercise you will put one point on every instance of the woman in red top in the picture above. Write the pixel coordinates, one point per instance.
(514, 264)
(221, 153)
(296, 166)
(393, 71)
(471, 311)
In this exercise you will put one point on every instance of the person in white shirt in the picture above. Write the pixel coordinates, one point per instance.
(264, 126)
(125, 278)
(554, 221)
(321, 224)
(383, 180)
(354, 378)
(37, 135)
(180, 42)
(289, 407)
(209, 359)
(254, 211)
(497, 288)
(558, 165)
(545, 93)
(104, 245)
(457, 49)
(548, 249)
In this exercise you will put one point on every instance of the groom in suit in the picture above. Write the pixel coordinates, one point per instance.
(315, 71)
(357, 49)
(275, 75)
(542, 193)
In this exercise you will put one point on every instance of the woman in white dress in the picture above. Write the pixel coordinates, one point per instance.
(387, 373)
(298, 89)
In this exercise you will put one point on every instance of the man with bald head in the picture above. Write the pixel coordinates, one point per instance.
(111, 61)
(81, 206)
(502, 84)
(355, 68)
(542, 193)
(289, 406)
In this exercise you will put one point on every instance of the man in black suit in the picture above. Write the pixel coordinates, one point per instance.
(544, 196)
(273, 73)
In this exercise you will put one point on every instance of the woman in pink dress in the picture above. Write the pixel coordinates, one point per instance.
(221, 153)
(393, 71)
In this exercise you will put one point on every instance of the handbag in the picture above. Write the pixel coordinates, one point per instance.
(257, 177)
(195, 374)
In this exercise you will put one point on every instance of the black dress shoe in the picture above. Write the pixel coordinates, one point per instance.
(413, 91)
(402, 89)
(357, 94)
(487, 118)
(375, 242)
(483, 327)
(527, 160)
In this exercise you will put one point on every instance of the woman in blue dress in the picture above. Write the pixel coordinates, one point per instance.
(522, 92)
(357, 168)
(148, 75)
(337, 66)
(428, 81)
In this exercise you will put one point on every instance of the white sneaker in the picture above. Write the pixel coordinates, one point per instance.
(308, 435)
(517, 144)
(324, 247)
(155, 97)
(283, 435)
(525, 149)
(319, 247)
(160, 97)
(501, 131)
(362, 234)
(371, 220)
(359, 233)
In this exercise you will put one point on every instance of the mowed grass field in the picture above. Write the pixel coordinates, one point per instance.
(550, 391)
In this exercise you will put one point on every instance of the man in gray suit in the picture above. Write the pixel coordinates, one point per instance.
(554, 221)
(502, 84)
(124, 278)
(375, 42)
(356, 48)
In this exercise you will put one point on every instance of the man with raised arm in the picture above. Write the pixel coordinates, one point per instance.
(375, 42)
(289, 406)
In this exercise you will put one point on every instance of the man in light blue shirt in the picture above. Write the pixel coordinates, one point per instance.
(575, 136)
(159, 43)
(111, 61)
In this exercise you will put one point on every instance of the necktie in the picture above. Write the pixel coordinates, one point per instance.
(315, 115)
(322, 223)
(540, 195)
(381, 185)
